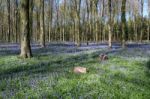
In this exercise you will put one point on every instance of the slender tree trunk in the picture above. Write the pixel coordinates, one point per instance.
(25, 37)
(87, 23)
(49, 11)
(123, 19)
(148, 32)
(148, 29)
(31, 18)
(42, 25)
(102, 16)
(109, 25)
(96, 20)
(77, 4)
(50, 15)
(141, 35)
(135, 30)
(9, 19)
(16, 12)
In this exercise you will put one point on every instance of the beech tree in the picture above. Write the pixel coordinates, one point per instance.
(42, 24)
(9, 20)
(148, 22)
(25, 29)
(109, 24)
(123, 24)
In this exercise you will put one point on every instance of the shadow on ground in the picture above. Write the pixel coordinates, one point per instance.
(47, 66)
(148, 68)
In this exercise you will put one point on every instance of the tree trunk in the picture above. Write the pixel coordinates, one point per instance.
(148, 29)
(16, 4)
(9, 19)
(31, 18)
(25, 37)
(148, 33)
(109, 25)
(123, 19)
(42, 25)
(141, 35)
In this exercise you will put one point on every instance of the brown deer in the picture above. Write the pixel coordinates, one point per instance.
(103, 57)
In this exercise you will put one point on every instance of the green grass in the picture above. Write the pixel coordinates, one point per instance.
(51, 77)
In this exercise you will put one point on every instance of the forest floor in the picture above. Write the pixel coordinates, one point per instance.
(49, 74)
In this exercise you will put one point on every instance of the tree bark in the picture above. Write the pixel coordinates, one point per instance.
(31, 6)
(109, 25)
(123, 19)
(25, 35)
(9, 19)
(42, 25)
(141, 35)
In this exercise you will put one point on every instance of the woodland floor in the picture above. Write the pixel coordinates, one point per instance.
(126, 75)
